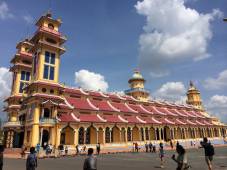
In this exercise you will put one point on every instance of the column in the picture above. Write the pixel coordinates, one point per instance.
(110, 135)
(76, 137)
(58, 136)
(131, 134)
(160, 134)
(126, 135)
(155, 133)
(104, 136)
(85, 132)
(149, 134)
(144, 134)
(35, 127)
(97, 135)
(41, 136)
(53, 135)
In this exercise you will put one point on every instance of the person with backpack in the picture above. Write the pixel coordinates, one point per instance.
(181, 160)
(31, 163)
(161, 154)
(209, 152)
(90, 163)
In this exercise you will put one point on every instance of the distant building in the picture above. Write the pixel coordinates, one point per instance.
(41, 110)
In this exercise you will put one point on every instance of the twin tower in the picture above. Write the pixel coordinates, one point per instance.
(138, 91)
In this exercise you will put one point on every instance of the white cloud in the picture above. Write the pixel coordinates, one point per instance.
(217, 105)
(4, 11)
(173, 33)
(216, 83)
(5, 85)
(28, 19)
(171, 91)
(90, 80)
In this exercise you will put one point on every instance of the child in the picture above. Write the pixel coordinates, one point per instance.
(161, 154)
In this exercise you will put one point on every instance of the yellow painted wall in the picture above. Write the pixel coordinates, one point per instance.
(116, 134)
(135, 134)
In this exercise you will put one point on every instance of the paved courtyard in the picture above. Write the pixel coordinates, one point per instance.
(125, 161)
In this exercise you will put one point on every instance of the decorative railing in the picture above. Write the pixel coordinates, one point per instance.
(12, 124)
(47, 120)
(136, 89)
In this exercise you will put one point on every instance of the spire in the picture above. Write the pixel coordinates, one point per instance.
(191, 83)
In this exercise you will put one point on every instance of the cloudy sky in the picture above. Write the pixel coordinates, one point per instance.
(170, 41)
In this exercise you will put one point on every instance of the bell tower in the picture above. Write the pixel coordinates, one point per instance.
(193, 96)
(136, 84)
(47, 49)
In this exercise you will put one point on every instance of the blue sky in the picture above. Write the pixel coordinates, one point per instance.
(104, 38)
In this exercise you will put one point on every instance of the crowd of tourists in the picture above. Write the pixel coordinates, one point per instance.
(90, 163)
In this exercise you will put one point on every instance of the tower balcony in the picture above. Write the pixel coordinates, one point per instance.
(13, 124)
(132, 90)
(47, 121)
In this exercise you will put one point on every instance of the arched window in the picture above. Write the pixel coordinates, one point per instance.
(129, 134)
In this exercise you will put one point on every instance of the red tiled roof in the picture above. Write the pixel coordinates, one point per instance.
(103, 105)
(122, 107)
(139, 108)
(175, 111)
(151, 120)
(190, 122)
(75, 91)
(199, 123)
(180, 122)
(89, 118)
(157, 110)
(207, 123)
(131, 119)
(112, 118)
(80, 103)
(65, 117)
(188, 113)
(97, 94)
(167, 121)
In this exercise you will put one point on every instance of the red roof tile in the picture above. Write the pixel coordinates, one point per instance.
(80, 103)
(122, 107)
(112, 118)
(103, 105)
(89, 118)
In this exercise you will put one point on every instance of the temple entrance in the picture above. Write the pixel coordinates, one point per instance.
(135, 134)
(18, 139)
(152, 134)
(81, 135)
(45, 137)
(93, 135)
(129, 134)
(108, 135)
(116, 134)
(100, 136)
(157, 134)
(67, 136)
(166, 133)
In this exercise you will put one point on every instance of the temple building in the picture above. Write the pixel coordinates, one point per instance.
(42, 110)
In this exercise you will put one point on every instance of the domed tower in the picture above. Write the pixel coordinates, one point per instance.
(193, 96)
(136, 84)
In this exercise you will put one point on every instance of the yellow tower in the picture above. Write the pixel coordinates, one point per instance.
(193, 96)
(21, 72)
(43, 91)
(136, 84)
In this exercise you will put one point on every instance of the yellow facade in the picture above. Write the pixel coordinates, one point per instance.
(45, 101)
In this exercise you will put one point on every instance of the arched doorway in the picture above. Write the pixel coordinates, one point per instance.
(123, 135)
(146, 134)
(108, 135)
(81, 135)
(100, 136)
(152, 134)
(135, 134)
(116, 134)
(67, 136)
(93, 135)
(129, 134)
(166, 133)
(142, 134)
(45, 137)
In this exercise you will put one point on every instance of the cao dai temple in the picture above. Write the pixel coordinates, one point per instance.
(42, 110)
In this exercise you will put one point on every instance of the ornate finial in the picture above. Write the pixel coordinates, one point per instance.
(191, 83)
(49, 13)
(136, 70)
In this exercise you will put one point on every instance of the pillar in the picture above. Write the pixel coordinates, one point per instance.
(126, 135)
(75, 137)
(58, 136)
(41, 136)
(97, 135)
(35, 127)
(85, 133)
(110, 135)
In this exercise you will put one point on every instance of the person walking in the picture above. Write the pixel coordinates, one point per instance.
(209, 152)
(1, 156)
(150, 147)
(31, 162)
(90, 163)
(146, 147)
(77, 150)
(171, 144)
(161, 154)
(154, 148)
(98, 148)
(136, 147)
(181, 160)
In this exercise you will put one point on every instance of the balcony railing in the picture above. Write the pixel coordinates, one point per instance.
(136, 89)
(12, 124)
(47, 121)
